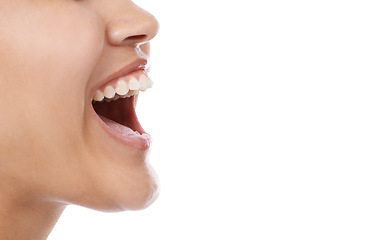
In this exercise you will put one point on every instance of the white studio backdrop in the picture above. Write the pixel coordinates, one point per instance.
(260, 115)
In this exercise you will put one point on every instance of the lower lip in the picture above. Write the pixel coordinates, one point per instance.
(124, 134)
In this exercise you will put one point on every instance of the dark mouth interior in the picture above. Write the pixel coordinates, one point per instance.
(121, 111)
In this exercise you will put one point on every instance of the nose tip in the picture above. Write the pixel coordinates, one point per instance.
(134, 27)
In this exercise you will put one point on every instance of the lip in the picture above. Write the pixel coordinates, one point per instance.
(140, 141)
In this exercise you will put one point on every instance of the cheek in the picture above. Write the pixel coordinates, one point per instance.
(46, 60)
(50, 47)
(65, 49)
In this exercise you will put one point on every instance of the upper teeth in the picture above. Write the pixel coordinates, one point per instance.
(124, 87)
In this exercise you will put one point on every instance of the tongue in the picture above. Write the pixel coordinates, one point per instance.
(119, 128)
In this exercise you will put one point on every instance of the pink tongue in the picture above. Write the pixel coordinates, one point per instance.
(121, 129)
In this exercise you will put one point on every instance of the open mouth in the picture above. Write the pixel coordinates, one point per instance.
(115, 105)
(120, 115)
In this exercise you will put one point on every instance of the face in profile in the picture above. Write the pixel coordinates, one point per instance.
(70, 75)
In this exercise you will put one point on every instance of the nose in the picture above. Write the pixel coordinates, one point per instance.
(134, 26)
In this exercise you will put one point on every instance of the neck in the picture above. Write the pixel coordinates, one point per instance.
(28, 219)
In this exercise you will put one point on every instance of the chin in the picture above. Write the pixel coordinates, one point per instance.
(116, 195)
(138, 199)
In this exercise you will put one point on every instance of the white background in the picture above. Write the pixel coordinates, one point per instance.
(260, 115)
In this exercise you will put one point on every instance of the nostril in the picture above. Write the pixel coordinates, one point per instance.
(136, 38)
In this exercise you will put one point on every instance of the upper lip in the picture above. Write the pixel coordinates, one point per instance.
(139, 63)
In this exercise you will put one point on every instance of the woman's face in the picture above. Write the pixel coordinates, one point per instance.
(54, 56)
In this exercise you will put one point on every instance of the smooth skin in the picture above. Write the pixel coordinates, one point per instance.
(53, 153)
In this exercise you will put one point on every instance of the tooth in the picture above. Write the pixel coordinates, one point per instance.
(109, 92)
(130, 93)
(115, 97)
(144, 82)
(150, 83)
(133, 84)
(98, 96)
(122, 87)
(135, 101)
